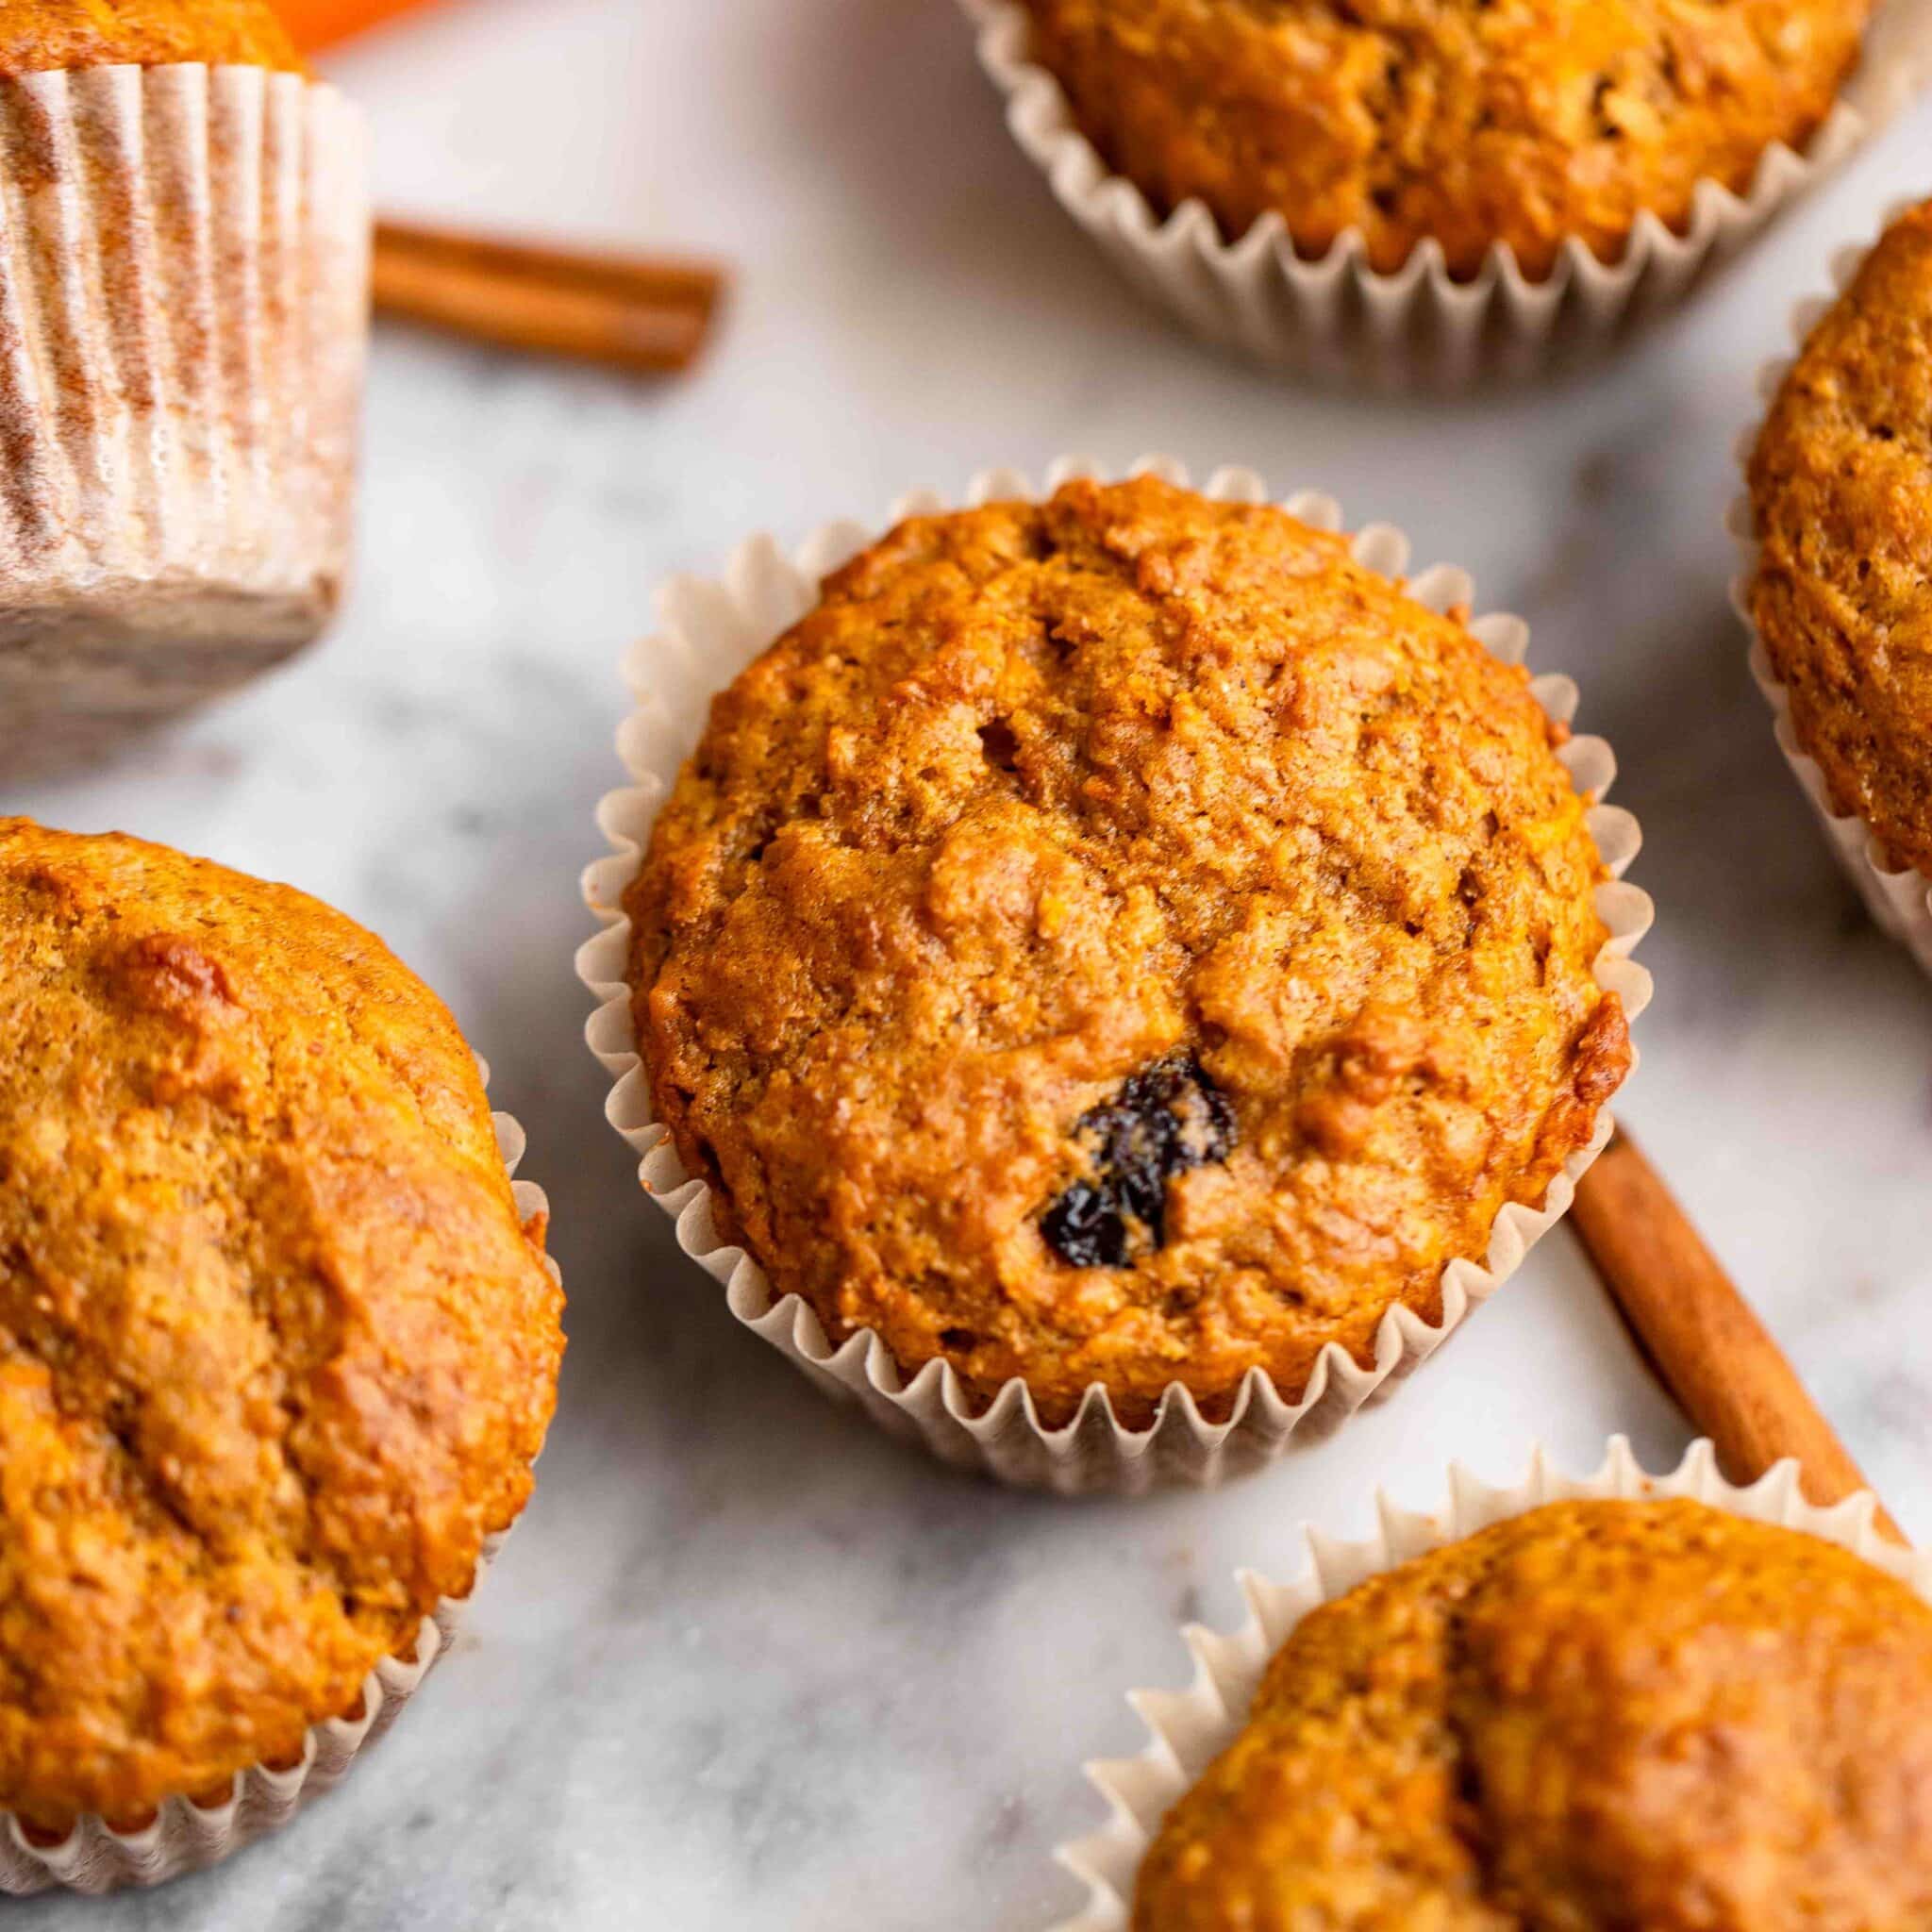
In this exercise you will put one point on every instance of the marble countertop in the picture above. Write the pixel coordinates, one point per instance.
(745, 1662)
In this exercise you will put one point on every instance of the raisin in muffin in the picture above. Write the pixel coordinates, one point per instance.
(276, 1354)
(1595, 1716)
(39, 35)
(1459, 121)
(179, 397)
(1122, 941)
(1842, 491)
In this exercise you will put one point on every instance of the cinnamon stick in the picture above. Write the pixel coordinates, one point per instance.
(624, 312)
(1709, 1349)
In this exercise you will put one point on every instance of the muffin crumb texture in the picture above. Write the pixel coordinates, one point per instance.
(1842, 491)
(1122, 941)
(41, 36)
(1596, 1717)
(276, 1354)
(1468, 122)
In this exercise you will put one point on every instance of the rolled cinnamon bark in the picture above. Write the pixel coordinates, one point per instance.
(1707, 1346)
(629, 313)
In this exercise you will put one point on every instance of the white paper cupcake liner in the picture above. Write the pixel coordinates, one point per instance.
(184, 276)
(1900, 899)
(1190, 1729)
(1333, 314)
(711, 631)
(187, 1837)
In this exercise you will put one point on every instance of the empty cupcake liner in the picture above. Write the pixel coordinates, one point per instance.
(184, 276)
(1334, 315)
(1190, 1728)
(1900, 899)
(711, 630)
(186, 1836)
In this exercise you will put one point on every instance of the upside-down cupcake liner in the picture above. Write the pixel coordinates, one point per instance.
(711, 630)
(1900, 899)
(187, 1835)
(1190, 1728)
(1334, 315)
(184, 277)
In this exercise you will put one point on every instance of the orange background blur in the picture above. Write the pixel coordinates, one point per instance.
(316, 23)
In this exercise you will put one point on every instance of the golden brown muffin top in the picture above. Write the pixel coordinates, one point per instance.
(1841, 485)
(1123, 941)
(276, 1354)
(1593, 1718)
(39, 35)
(1476, 121)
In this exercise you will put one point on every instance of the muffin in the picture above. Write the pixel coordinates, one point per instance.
(277, 1351)
(187, 317)
(1598, 1714)
(1466, 123)
(1841, 487)
(39, 35)
(1120, 941)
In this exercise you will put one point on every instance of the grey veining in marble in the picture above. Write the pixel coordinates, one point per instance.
(745, 1663)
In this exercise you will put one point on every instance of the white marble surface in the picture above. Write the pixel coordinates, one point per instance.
(745, 1662)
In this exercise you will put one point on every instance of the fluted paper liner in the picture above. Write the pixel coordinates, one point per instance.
(184, 275)
(1190, 1728)
(1333, 314)
(1900, 899)
(188, 1837)
(712, 629)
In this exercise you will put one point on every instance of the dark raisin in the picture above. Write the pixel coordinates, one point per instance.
(1085, 1229)
(1165, 1120)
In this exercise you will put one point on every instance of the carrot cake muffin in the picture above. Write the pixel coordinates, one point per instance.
(1122, 941)
(39, 35)
(1462, 121)
(1842, 487)
(1598, 1716)
(178, 400)
(276, 1353)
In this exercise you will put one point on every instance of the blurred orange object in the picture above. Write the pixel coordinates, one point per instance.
(318, 23)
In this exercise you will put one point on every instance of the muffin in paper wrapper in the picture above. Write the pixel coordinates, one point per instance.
(186, 1835)
(1899, 898)
(1190, 1728)
(711, 631)
(1334, 315)
(184, 319)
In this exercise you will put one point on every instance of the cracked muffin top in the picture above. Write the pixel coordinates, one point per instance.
(38, 35)
(1471, 122)
(1842, 487)
(275, 1352)
(1596, 1717)
(1122, 941)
